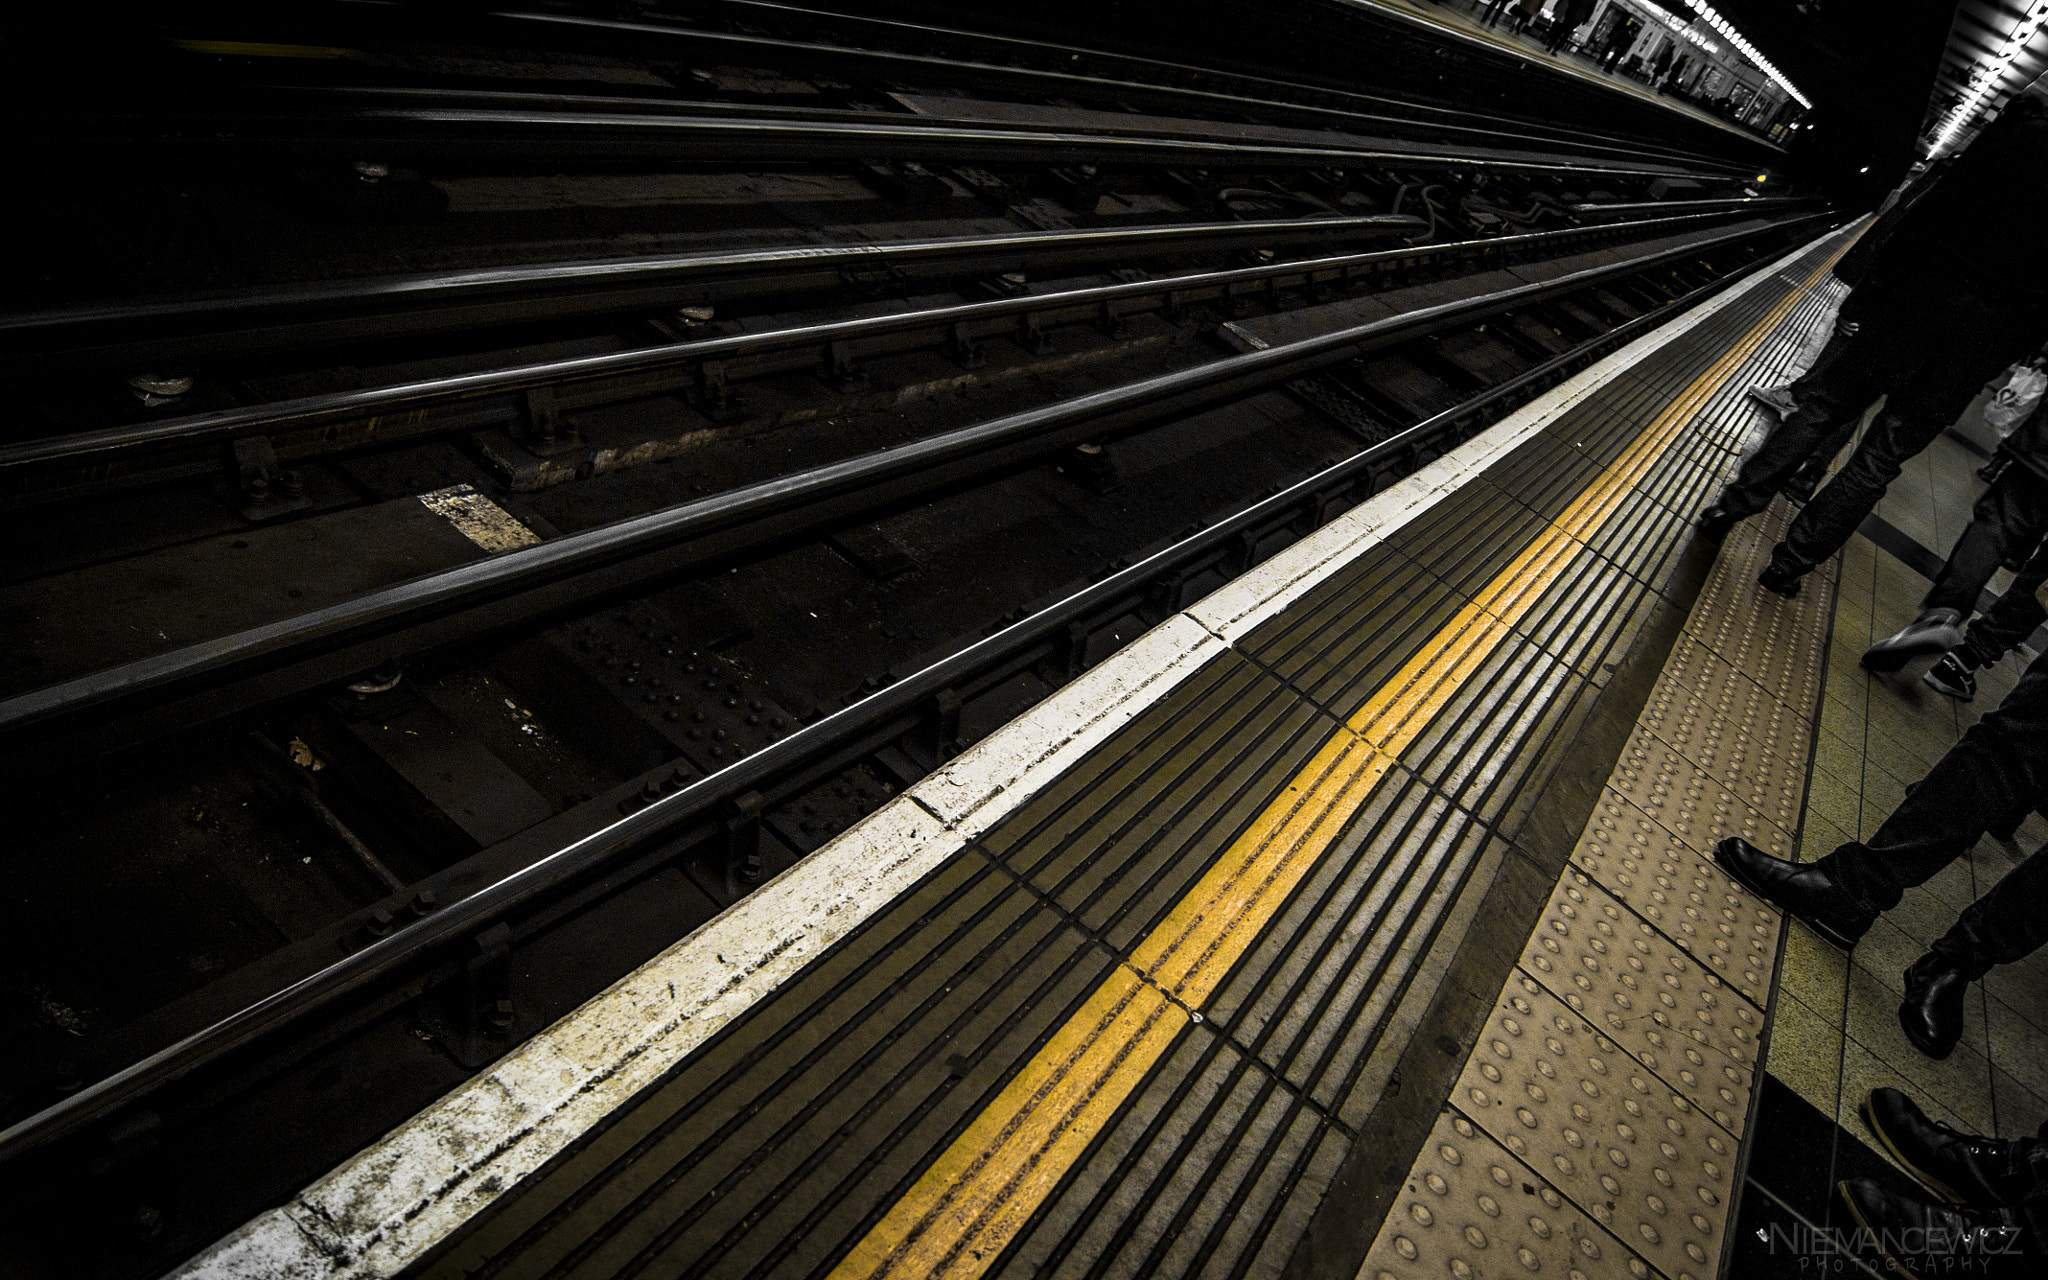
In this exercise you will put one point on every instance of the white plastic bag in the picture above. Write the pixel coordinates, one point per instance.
(2010, 405)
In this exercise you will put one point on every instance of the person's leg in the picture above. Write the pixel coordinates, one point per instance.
(1946, 351)
(2008, 516)
(1815, 469)
(1767, 470)
(2013, 617)
(2006, 923)
(1863, 360)
(2034, 1204)
(2001, 761)
(1832, 514)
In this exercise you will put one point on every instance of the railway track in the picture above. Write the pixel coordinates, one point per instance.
(425, 650)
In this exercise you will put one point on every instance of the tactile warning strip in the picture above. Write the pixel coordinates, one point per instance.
(1657, 779)
(1673, 1014)
(1681, 892)
(1620, 1060)
(1729, 725)
(1606, 1130)
(1469, 1203)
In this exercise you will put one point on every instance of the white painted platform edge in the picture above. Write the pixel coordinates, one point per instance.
(384, 1208)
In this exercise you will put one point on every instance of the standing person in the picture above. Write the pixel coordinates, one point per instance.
(1998, 770)
(1493, 12)
(1955, 293)
(2009, 520)
(1619, 37)
(1571, 15)
(1662, 65)
(1677, 76)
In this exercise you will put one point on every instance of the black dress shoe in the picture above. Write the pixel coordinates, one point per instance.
(1715, 522)
(1799, 888)
(1932, 1013)
(1923, 1240)
(1962, 1168)
(1780, 582)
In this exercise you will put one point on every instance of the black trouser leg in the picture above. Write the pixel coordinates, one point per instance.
(1838, 342)
(1834, 513)
(2012, 618)
(1928, 347)
(2009, 517)
(1815, 469)
(2007, 923)
(2001, 762)
(1796, 439)
(2034, 1203)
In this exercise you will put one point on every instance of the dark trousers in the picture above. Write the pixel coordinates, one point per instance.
(2010, 517)
(1928, 344)
(2012, 617)
(2034, 1204)
(1999, 768)
(1807, 475)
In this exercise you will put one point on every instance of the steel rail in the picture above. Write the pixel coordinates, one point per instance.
(476, 131)
(1059, 80)
(388, 610)
(404, 305)
(459, 919)
(538, 108)
(319, 410)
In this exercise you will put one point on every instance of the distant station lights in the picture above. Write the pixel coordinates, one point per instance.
(1734, 37)
(1985, 79)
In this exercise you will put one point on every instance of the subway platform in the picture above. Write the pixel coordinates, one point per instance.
(1463, 23)
(1356, 920)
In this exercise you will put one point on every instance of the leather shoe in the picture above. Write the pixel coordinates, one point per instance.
(1922, 1240)
(1932, 1012)
(1715, 522)
(1799, 888)
(1962, 1168)
(1782, 582)
(1935, 631)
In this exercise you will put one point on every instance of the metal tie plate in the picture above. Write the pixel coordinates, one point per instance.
(1664, 1007)
(1611, 1134)
(1471, 1209)
(1677, 889)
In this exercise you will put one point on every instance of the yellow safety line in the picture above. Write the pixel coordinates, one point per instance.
(974, 1199)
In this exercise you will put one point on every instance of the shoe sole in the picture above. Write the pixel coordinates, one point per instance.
(1928, 1180)
(1827, 933)
(1872, 1234)
(1946, 690)
(1888, 660)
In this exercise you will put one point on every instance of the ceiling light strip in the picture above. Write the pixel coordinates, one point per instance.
(1734, 37)
(1983, 82)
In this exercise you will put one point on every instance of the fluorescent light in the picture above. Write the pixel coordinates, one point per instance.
(1722, 25)
(1984, 78)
